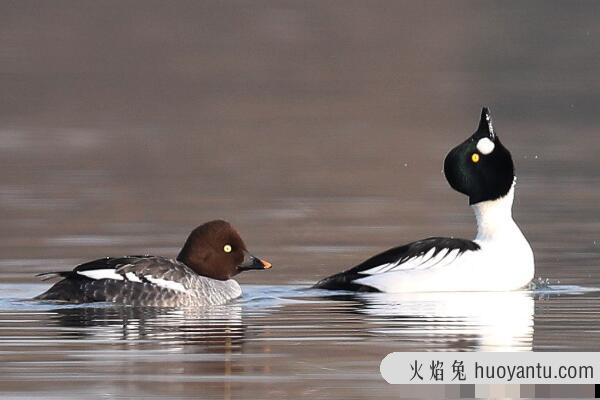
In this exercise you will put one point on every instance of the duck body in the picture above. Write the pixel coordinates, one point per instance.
(141, 281)
(498, 259)
(200, 276)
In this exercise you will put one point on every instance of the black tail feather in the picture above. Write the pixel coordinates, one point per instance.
(343, 281)
(46, 276)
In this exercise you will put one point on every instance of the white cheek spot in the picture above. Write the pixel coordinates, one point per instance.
(485, 146)
(166, 284)
(101, 274)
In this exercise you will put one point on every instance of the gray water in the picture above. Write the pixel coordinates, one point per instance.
(318, 129)
(277, 341)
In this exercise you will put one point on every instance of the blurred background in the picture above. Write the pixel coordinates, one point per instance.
(318, 128)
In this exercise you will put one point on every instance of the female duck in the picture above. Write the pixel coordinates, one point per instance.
(212, 255)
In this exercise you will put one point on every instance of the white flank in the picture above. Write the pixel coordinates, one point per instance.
(166, 284)
(450, 258)
(101, 274)
(485, 146)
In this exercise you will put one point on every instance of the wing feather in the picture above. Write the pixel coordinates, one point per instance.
(159, 271)
(435, 252)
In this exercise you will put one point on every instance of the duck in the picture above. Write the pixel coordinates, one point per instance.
(201, 275)
(499, 258)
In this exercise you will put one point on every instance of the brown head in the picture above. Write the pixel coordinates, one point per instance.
(216, 250)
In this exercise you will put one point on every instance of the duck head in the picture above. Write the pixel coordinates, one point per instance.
(480, 167)
(216, 250)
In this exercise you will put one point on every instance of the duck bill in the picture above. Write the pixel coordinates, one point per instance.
(253, 263)
(485, 128)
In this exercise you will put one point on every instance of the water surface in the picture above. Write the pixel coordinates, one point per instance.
(278, 340)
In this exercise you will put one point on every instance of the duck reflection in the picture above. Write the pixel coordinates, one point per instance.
(480, 321)
(215, 326)
(159, 350)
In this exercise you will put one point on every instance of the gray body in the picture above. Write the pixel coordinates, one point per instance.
(140, 281)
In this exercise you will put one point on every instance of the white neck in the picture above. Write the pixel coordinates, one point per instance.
(494, 217)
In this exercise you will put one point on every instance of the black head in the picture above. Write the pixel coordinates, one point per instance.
(480, 167)
(216, 250)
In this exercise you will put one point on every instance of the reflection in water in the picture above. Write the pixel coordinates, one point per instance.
(215, 326)
(274, 341)
(197, 342)
(486, 321)
(501, 321)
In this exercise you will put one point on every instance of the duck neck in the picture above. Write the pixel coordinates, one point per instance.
(494, 217)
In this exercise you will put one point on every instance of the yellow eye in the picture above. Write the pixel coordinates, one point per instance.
(475, 158)
(227, 248)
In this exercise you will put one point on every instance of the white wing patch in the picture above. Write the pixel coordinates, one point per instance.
(132, 277)
(166, 284)
(422, 262)
(101, 274)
